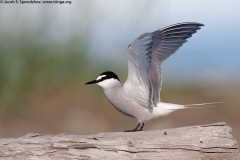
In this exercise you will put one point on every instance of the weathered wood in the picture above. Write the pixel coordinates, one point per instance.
(212, 141)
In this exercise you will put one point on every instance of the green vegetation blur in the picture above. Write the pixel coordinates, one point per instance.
(28, 68)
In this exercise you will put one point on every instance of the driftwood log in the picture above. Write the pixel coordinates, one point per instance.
(205, 142)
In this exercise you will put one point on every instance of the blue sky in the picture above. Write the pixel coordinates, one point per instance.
(213, 52)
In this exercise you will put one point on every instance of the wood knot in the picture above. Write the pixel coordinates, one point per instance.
(131, 143)
(165, 133)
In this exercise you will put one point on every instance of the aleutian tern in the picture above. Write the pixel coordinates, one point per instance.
(139, 96)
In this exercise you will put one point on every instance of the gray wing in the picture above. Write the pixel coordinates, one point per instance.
(145, 56)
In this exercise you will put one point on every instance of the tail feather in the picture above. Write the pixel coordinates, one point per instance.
(202, 105)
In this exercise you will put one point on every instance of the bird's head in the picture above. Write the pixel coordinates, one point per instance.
(106, 80)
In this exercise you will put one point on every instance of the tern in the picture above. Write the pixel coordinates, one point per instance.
(139, 96)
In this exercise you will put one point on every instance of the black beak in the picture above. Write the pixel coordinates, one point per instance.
(92, 82)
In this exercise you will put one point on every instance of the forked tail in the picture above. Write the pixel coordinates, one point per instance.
(202, 105)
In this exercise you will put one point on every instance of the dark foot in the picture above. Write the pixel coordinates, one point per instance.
(138, 128)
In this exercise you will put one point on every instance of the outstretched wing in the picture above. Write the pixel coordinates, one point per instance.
(145, 56)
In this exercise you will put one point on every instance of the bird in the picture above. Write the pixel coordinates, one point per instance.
(139, 96)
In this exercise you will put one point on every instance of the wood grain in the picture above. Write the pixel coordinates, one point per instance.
(205, 142)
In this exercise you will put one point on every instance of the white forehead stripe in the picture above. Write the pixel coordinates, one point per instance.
(100, 77)
(108, 83)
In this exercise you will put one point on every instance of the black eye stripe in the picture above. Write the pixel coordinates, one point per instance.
(108, 75)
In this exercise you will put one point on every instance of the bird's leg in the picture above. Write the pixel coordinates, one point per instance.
(135, 129)
(141, 125)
